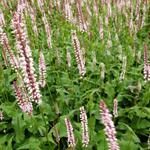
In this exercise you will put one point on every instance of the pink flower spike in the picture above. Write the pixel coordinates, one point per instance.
(42, 70)
(70, 134)
(78, 54)
(24, 104)
(84, 124)
(26, 63)
(115, 111)
(5, 44)
(110, 130)
(1, 115)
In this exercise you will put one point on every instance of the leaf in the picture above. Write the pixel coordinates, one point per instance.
(129, 134)
(31, 144)
(19, 127)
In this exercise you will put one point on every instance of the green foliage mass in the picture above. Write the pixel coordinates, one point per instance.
(65, 91)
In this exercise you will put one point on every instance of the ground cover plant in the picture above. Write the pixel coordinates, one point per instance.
(74, 75)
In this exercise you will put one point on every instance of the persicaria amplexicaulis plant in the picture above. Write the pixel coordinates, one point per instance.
(78, 54)
(23, 101)
(115, 110)
(146, 64)
(84, 126)
(26, 60)
(5, 44)
(70, 134)
(110, 130)
(42, 70)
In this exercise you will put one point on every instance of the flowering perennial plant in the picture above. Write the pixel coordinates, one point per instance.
(146, 65)
(115, 110)
(68, 56)
(2, 20)
(78, 54)
(110, 130)
(68, 11)
(70, 134)
(23, 101)
(83, 24)
(5, 44)
(42, 70)
(1, 115)
(26, 60)
(84, 124)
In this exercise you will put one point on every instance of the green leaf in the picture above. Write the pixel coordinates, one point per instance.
(19, 127)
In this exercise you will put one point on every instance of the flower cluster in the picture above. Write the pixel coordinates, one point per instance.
(84, 124)
(46, 23)
(68, 56)
(2, 20)
(1, 115)
(110, 130)
(78, 54)
(115, 110)
(68, 11)
(42, 70)
(47, 29)
(70, 134)
(101, 32)
(23, 101)
(26, 60)
(102, 71)
(83, 24)
(7, 49)
(32, 13)
(146, 65)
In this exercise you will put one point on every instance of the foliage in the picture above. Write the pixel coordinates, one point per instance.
(65, 91)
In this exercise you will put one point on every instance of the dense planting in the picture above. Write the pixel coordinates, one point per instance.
(74, 74)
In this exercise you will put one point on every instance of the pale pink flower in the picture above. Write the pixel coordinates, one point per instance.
(95, 7)
(82, 22)
(146, 65)
(84, 125)
(101, 31)
(5, 44)
(26, 60)
(78, 54)
(42, 70)
(2, 20)
(32, 13)
(1, 115)
(70, 134)
(115, 110)
(68, 58)
(47, 29)
(110, 130)
(68, 11)
(23, 102)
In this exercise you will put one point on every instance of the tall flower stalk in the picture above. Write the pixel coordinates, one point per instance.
(84, 124)
(146, 65)
(78, 54)
(6, 48)
(110, 130)
(68, 56)
(23, 102)
(115, 110)
(2, 20)
(70, 134)
(42, 70)
(26, 60)
(83, 24)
